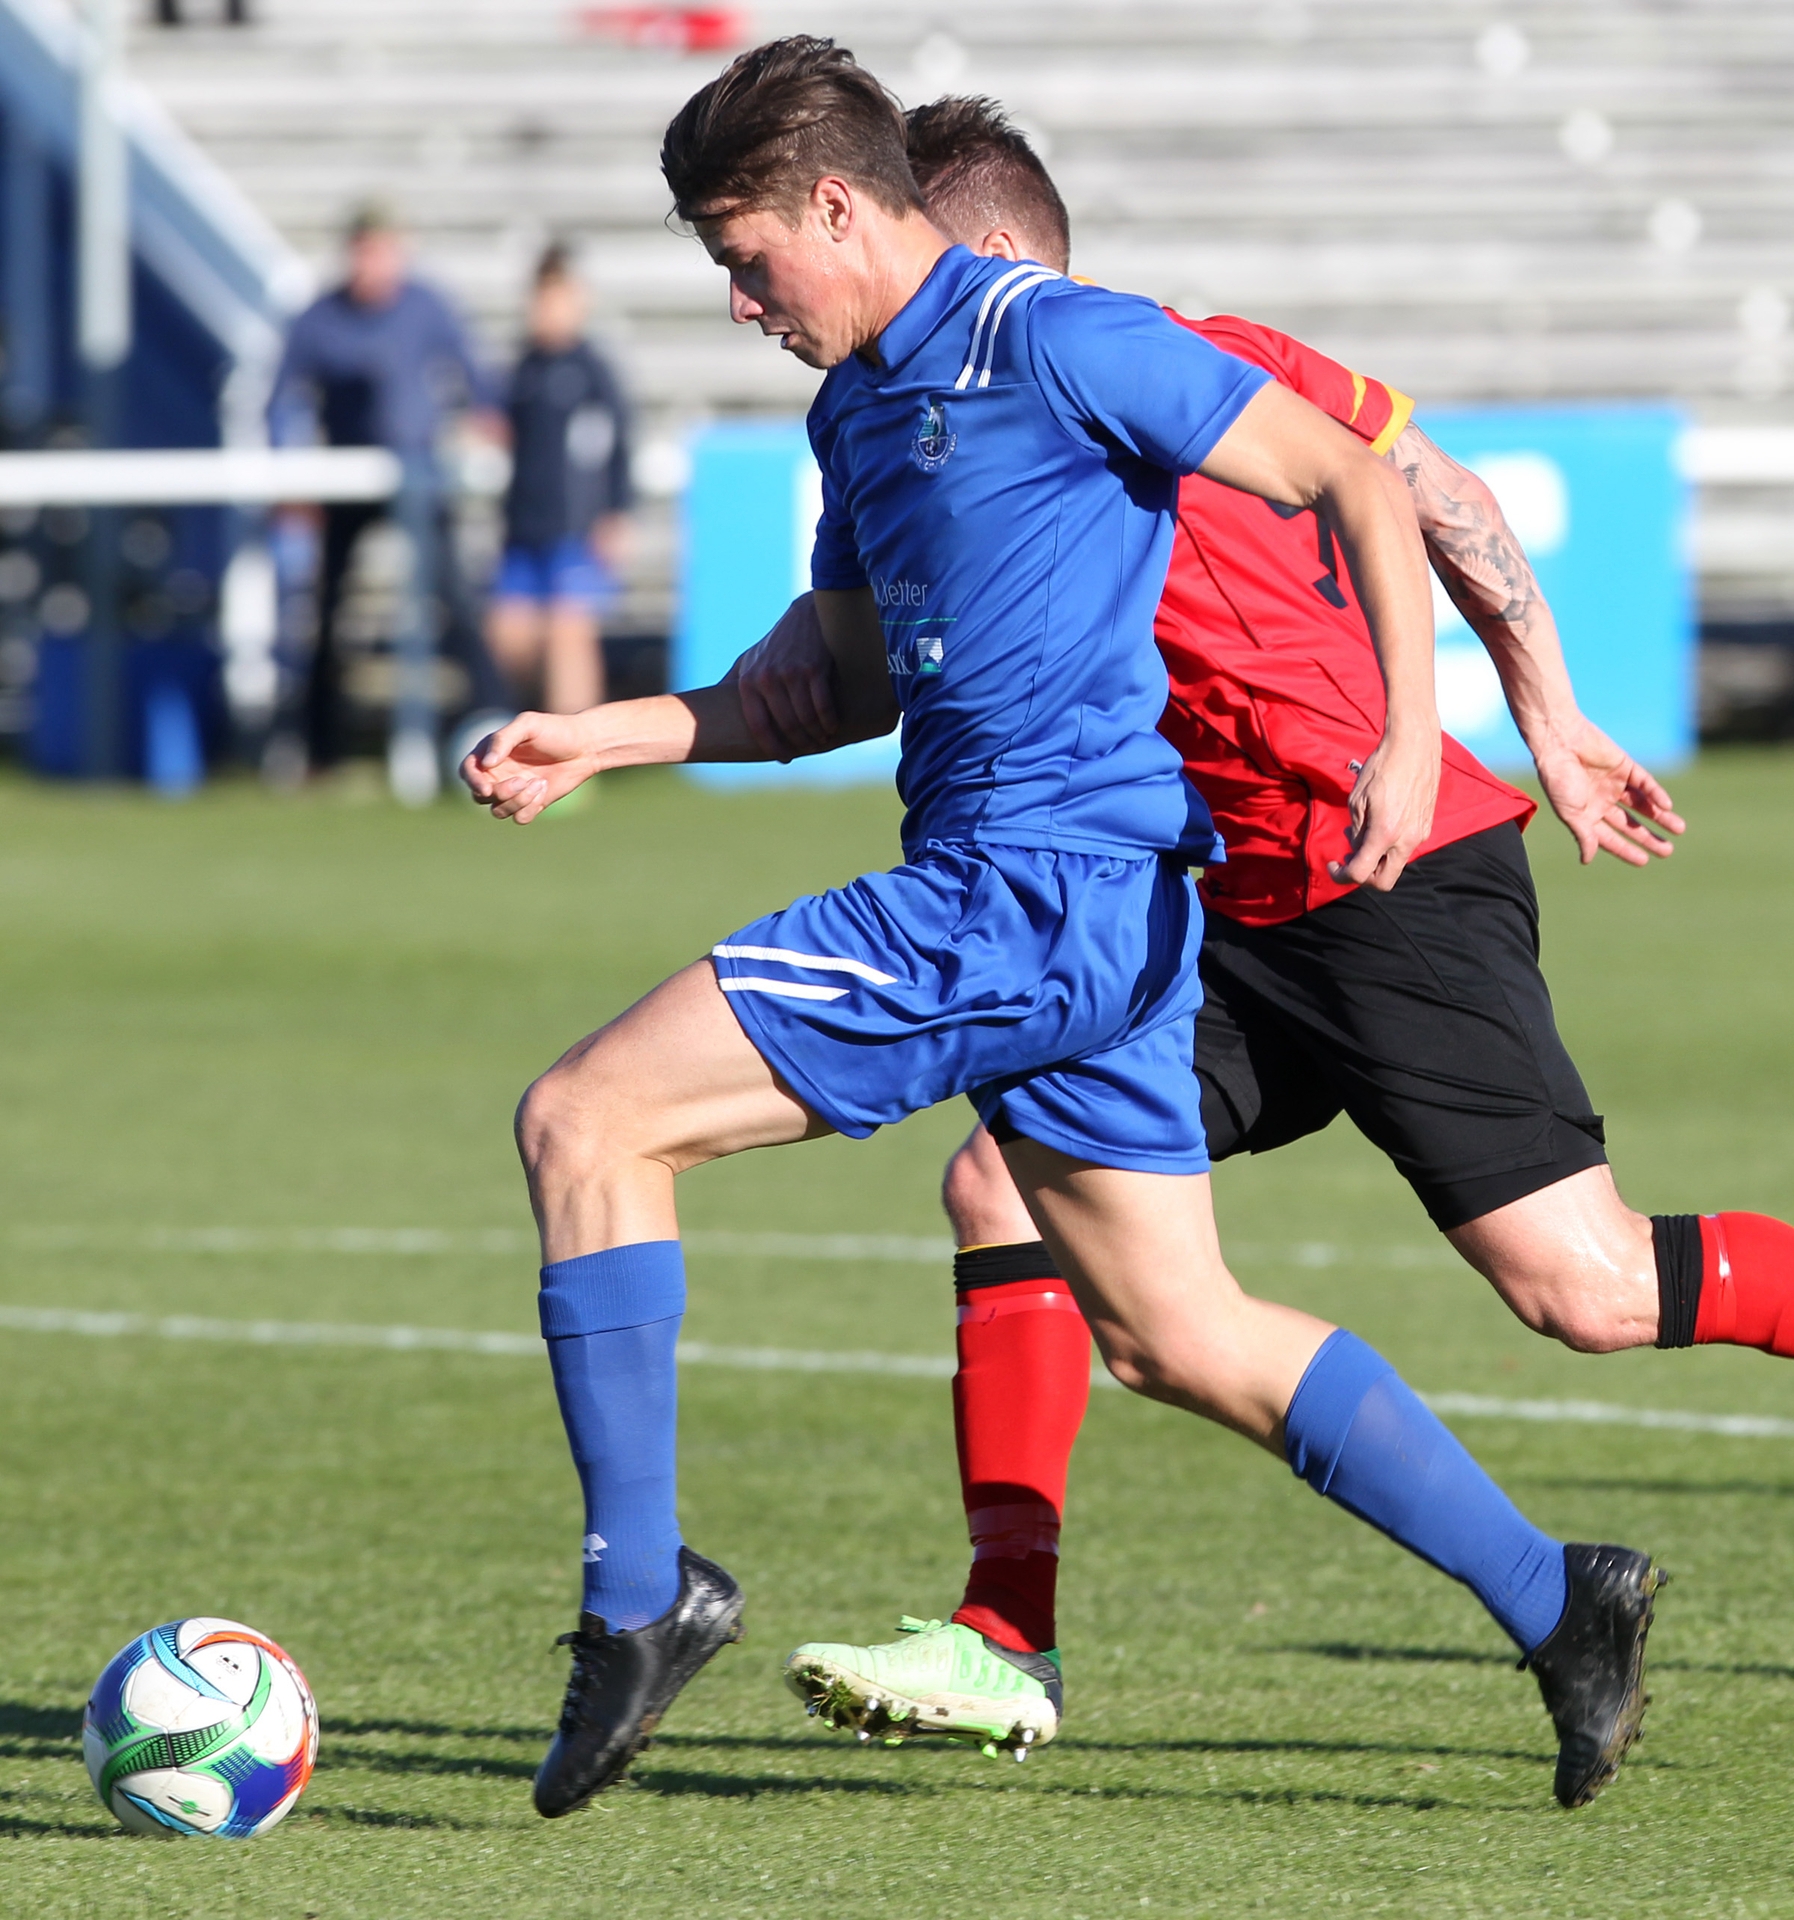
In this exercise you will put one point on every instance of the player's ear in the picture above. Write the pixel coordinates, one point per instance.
(1000, 244)
(832, 203)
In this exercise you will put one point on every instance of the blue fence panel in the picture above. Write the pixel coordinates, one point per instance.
(1594, 496)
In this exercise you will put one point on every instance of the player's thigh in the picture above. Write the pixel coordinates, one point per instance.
(673, 1079)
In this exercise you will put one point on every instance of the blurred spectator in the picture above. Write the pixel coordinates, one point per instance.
(566, 514)
(380, 361)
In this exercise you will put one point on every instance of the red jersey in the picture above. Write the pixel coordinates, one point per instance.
(1276, 696)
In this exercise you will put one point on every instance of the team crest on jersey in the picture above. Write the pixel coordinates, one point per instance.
(933, 445)
(914, 655)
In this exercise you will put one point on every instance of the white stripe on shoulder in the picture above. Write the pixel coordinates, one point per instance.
(990, 339)
(785, 989)
(1003, 280)
(821, 962)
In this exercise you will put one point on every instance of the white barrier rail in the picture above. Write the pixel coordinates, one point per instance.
(198, 476)
(264, 476)
(1736, 456)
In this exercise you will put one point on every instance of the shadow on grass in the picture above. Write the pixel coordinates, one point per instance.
(1350, 1650)
(432, 1730)
(757, 1786)
(30, 1732)
(1774, 1489)
(1321, 1749)
(1741, 1670)
(383, 1760)
(21, 1824)
(1321, 1797)
(381, 1817)
(1422, 1656)
(722, 1786)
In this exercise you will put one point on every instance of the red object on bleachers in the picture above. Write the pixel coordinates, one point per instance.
(682, 29)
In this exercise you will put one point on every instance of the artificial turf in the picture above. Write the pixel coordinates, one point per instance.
(284, 1017)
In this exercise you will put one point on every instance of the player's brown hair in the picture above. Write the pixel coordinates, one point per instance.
(976, 171)
(774, 122)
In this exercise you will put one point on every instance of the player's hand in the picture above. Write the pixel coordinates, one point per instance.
(787, 698)
(527, 766)
(1391, 810)
(1606, 799)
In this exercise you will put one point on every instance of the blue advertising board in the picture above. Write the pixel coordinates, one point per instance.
(1595, 498)
(1591, 491)
(751, 508)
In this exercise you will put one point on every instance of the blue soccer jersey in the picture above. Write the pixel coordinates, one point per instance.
(1005, 479)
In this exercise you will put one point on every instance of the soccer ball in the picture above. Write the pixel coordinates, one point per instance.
(201, 1726)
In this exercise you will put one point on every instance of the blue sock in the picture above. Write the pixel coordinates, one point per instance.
(611, 1321)
(1358, 1433)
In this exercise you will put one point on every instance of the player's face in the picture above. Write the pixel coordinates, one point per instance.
(786, 280)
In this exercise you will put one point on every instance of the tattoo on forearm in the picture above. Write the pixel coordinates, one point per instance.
(1479, 561)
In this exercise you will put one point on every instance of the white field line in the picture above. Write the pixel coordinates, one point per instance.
(902, 1248)
(927, 1366)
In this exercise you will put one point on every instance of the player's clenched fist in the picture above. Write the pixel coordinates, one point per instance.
(527, 765)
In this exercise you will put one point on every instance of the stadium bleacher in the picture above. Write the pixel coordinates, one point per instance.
(1520, 201)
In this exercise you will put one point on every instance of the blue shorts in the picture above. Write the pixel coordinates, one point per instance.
(1058, 990)
(568, 570)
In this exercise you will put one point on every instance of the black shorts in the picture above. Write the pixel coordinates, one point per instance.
(1421, 1012)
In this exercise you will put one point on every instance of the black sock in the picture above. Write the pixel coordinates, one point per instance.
(1676, 1240)
(996, 1266)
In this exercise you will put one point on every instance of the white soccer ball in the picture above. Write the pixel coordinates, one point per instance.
(200, 1726)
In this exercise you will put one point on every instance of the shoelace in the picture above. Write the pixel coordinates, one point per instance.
(908, 1623)
(588, 1659)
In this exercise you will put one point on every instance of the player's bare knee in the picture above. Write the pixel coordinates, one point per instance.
(965, 1195)
(565, 1122)
(1159, 1373)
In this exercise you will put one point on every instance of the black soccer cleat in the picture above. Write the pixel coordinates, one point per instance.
(623, 1682)
(1590, 1667)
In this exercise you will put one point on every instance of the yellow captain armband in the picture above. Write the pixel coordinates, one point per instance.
(1401, 411)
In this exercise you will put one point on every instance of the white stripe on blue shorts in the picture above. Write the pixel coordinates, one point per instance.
(815, 962)
(789, 989)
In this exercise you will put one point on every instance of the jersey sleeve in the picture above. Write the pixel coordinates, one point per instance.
(835, 558)
(1375, 413)
(1123, 369)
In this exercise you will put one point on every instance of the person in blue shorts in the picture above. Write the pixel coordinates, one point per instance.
(567, 506)
(999, 448)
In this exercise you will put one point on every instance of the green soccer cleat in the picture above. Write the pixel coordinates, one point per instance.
(942, 1680)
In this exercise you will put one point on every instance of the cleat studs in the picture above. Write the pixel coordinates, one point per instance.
(1021, 1754)
(861, 1735)
(1027, 1736)
(893, 1739)
(813, 1708)
(989, 1749)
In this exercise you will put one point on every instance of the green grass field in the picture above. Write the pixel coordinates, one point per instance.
(286, 1018)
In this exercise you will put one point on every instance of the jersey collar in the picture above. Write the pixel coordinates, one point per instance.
(928, 306)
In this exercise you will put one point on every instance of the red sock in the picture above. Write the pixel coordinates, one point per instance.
(1747, 1282)
(1018, 1401)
